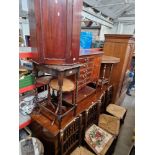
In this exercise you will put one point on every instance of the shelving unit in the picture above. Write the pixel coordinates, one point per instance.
(25, 89)
(25, 120)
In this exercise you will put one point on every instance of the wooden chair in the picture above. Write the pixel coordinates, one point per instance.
(70, 139)
(110, 124)
(94, 137)
(117, 111)
(70, 136)
(92, 118)
(108, 95)
(92, 115)
(103, 105)
(106, 98)
(81, 151)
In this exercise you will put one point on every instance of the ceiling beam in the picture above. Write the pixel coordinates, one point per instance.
(125, 19)
(105, 11)
(94, 17)
(112, 4)
(123, 9)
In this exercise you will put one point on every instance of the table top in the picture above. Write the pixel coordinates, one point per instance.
(110, 59)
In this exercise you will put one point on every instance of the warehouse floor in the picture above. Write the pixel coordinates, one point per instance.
(125, 142)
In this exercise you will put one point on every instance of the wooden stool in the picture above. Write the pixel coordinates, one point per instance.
(116, 111)
(109, 123)
(98, 140)
(67, 86)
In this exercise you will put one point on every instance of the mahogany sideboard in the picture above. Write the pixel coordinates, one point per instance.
(49, 134)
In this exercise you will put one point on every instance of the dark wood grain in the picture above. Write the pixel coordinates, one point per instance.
(55, 30)
(82, 106)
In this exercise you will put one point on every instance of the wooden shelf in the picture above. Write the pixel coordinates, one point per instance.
(25, 89)
(25, 55)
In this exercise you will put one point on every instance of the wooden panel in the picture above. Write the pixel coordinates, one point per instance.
(96, 68)
(119, 46)
(55, 30)
(35, 26)
(76, 29)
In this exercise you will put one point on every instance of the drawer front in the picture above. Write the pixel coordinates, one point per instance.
(90, 70)
(86, 71)
(86, 59)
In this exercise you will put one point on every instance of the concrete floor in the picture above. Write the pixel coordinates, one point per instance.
(124, 141)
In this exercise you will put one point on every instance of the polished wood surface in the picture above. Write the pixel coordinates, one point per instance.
(88, 108)
(82, 106)
(59, 72)
(55, 30)
(90, 69)
(120, 46)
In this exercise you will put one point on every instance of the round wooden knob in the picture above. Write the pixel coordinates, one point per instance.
(67, 86)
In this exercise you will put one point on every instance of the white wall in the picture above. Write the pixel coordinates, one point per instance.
(118, 28)
(123, 28)
(104, 30)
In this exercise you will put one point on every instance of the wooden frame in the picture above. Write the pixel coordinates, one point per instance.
(70, 136)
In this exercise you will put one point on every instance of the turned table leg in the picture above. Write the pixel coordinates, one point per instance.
(60, 83)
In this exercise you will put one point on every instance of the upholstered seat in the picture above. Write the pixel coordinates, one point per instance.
(98, 139)
(109, 123)
(81, 151)
(116, 111)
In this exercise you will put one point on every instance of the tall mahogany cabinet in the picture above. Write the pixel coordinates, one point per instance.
(120, 46)
(55, 30)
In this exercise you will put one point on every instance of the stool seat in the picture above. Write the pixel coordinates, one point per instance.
(116, 110)
(81, 151)
(98, 139)
(109, 123)
(67, 86)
